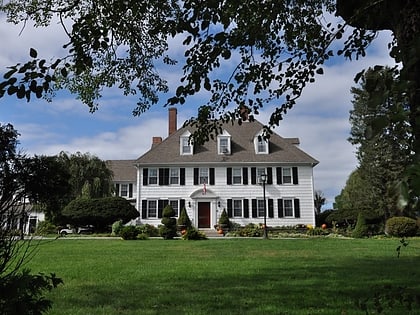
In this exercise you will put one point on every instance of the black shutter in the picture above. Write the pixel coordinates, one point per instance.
(253, 175)
(117, 190)
(181, 204)
(211, 176)
(229, 207)
(246, 208)
(130, 190)
(245, 175)
(295, 175)
(145, 176)
(269, 176)
(144, 209)
(163, 176)
(254, 208)
(270, 208)
(279, 176)
(229, 176)
(195, 175)
(280, 207)
(182, 176)
(160, 208)
(297, 208)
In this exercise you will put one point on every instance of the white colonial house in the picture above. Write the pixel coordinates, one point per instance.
(224, 173)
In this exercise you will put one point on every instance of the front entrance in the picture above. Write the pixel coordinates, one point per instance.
(204, 215)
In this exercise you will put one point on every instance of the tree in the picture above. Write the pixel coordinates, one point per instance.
(89, 175)
(99, 212)
(20, 291)
(383, 142)
(168, 229)
(319, 201)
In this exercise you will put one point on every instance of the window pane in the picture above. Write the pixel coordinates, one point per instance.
(287, 175)
(152, 208)
(260, 206)
(288, 207)
(153, 176)
(174, 205)
(237, 176)
(124, 190)
(186, 148)
(224, 145)
(173, 176)
(204, 175)
(237, 208)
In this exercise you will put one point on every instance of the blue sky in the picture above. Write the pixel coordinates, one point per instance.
(320, 119)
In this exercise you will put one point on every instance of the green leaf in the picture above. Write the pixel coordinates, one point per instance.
(33, 53)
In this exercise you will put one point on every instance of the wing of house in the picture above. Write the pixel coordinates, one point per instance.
(224, 173)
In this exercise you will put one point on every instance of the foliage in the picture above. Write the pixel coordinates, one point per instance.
(184, 219)
(361, 228)
(319, 201)
(224, 219)
(250, 230)
(383, 143)
(317, 232)
(99, 212)
(116, 228)
(20, 291)
(149, 230)
(45, 228)
(168, 229)
(129, 232)
(23, 293)
(401, 227)
(321, 218)
(193, 234)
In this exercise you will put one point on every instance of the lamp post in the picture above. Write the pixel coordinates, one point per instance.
(263, 178)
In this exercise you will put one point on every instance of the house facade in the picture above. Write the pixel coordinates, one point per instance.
(224, 173)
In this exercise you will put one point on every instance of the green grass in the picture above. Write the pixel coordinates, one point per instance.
(228, 276)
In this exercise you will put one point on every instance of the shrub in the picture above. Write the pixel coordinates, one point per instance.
(99, 212)
(251, 230)
(129, 232)
(168, 230)
(45, 228)
(361, 229)
(401, 227)
(149, 230)
(143, 236)
(117, 227)
(184, 219)
(193, 234)
(317, 231)
(224, 219)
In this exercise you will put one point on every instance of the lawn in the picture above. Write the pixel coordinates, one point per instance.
(224, 276)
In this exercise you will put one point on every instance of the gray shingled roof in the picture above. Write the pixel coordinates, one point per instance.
(123, 170)
(282, 150)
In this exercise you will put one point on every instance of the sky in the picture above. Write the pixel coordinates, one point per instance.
(320, 119)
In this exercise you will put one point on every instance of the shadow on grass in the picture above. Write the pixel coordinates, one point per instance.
(271, 289)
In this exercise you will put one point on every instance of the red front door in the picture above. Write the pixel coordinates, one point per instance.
(204, 215)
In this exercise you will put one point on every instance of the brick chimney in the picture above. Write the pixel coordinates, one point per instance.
(172, 121)
(156, 141)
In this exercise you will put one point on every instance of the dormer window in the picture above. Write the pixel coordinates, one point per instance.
(261, 144)
(223, 143)
(186, 146)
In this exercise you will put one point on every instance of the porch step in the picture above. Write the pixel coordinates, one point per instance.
(211, 233)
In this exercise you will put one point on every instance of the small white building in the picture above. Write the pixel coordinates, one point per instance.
(224, 173)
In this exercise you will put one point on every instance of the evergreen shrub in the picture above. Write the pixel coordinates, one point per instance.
(129, 232)
(168, 229)
(45, 228)
(361, 229)
(401, 227)
(117, 226)
(149, 230)
(193, 234)
(183, 219)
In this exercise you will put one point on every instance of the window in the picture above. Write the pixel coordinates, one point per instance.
(174, 176)
(237, 208)
(237, 176)
(186, 146)
(288, 207)
(224, 145)
(260, 171)
(152, 209)
(153, 176)
(123, 190)
(174, 205)
(261, 145)
(260, 207)
(203, 175)
(287, 175)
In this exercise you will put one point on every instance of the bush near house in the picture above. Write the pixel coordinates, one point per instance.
(129, 232)
(184, 221)
(401, 227)
(45, 227)
(168, 229)
(99, 212)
